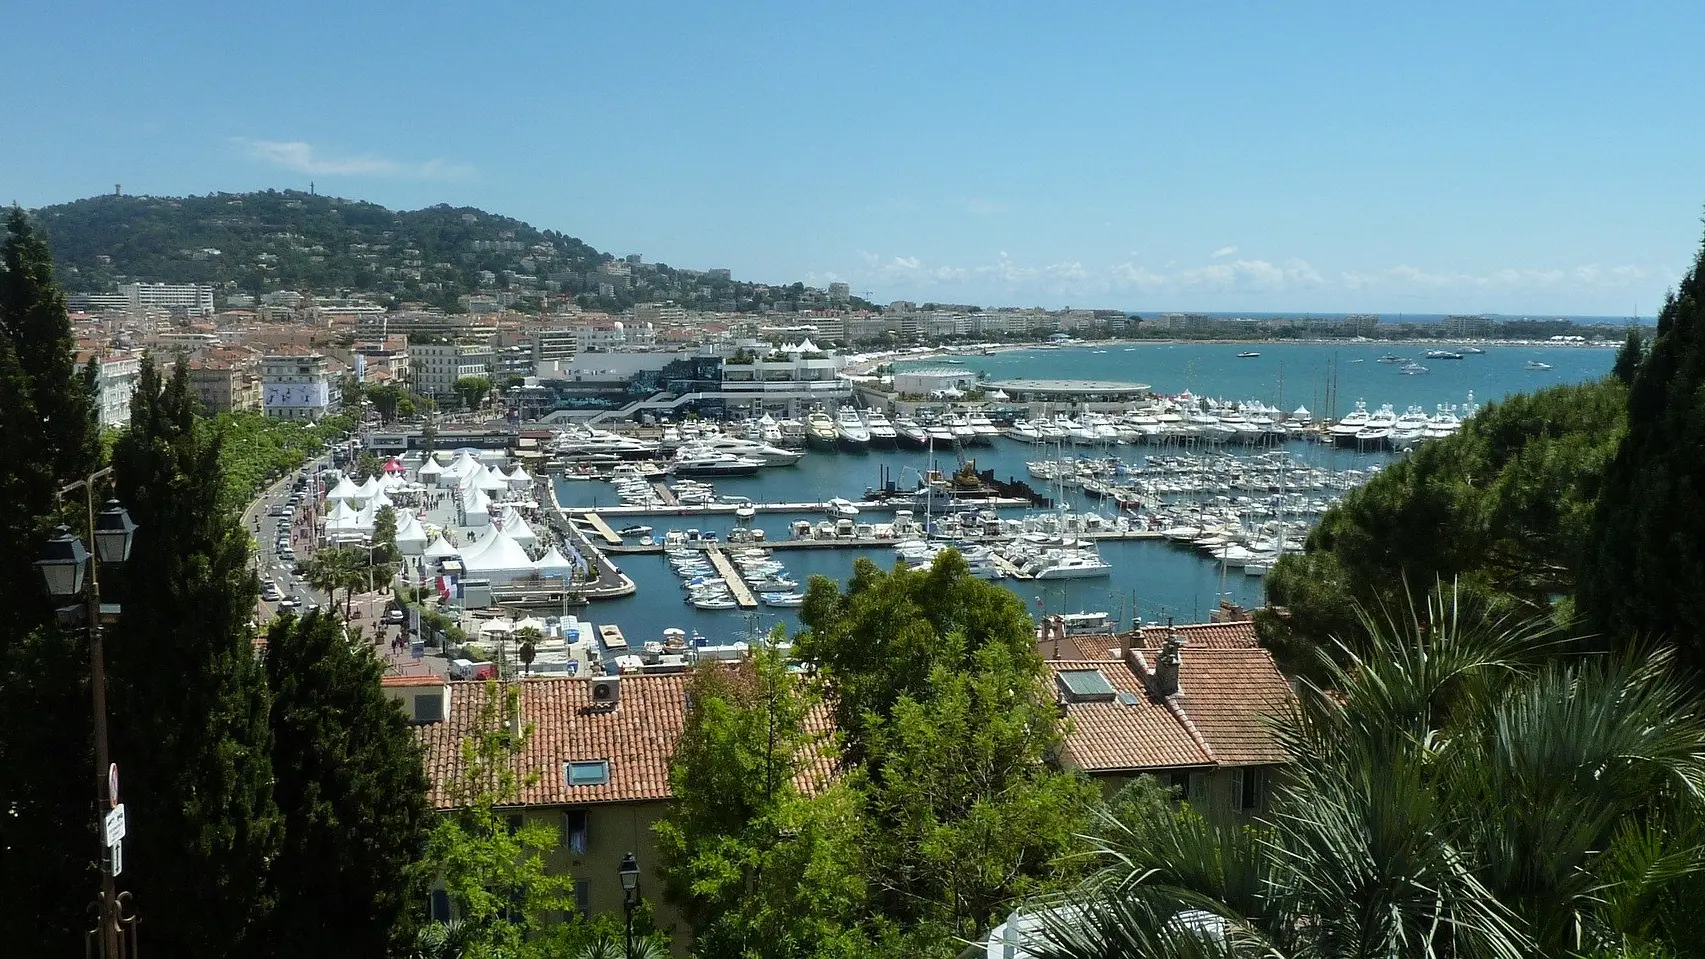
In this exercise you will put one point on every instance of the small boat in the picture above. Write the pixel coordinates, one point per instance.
(783, 599)
(1391, 358)
(1247, 355)
(1412, 369)
(1536, 365)
(745, 511)
(635, 530)
(1443, 355)
(1473, 349)
(839, 508)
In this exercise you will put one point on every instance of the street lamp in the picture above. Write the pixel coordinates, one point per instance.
(629, 873)
(70, 571)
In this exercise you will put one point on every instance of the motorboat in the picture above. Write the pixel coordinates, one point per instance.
(1414, 369)
(1391, 358)
(1443, 355)
(635, 531)
(839, 508)
(1024, 431)
(783, 599)
(820, 430)
(850, 431)
(1473, 350)
(983, 430)
(1070, 564)
(756, 449)
(1344, 431)
(959, 426)
(939, 434)
(909, 434)
(882, 433)
(1536, 365)
(710, 463)
(1247, 355)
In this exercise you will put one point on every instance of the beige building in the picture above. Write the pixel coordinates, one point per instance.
(224, 383)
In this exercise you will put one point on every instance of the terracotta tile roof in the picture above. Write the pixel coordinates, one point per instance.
(637, 739)
(1116, 736)
(1230, 695)
(417, 680)
(1237, 635)
(1219, 717)
(1102, 646)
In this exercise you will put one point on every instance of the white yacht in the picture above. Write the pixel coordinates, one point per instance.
(983, 431)
(820, 430)
(711, 463)
(908, 433)
(1344, 431)
(1409, 429)
(1536, 365)
(882, 432)
(1069, 564)
(850, 430)
(1024, 431)
(1378, 429)
(940, 434)
(960, 428)
(769, 455)
(586, 442)
(839, 508)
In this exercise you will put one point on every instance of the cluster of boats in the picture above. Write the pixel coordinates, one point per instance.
(1386, 429)
(765, 576)
(857, 430)
(1227, 538)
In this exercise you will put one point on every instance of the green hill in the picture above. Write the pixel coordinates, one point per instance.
(288, 240)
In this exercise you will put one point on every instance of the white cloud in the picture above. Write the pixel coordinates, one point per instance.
(301, 157)
(1223, 251)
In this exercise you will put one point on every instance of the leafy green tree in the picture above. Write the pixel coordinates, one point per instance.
(473, 390)
(1504, 508)
(760, 869)
(47, 848)
(351, 788)
(188, 695)
(1649, 531)
(494, 872)
(384, 541)
(386, 400)
(343, 567)
(1459, 788)
(1629, 357)
(947, 716)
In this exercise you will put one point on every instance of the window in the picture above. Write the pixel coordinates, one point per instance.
(583, 896)
(574, 831)
(1250, 788)
(428, 707)
(438, 905)
(590, 773)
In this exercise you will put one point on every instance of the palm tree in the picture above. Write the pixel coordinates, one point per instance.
(333, 569)
(527, 639)
(1462, 789)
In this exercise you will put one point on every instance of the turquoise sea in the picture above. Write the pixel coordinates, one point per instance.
(1152, 578)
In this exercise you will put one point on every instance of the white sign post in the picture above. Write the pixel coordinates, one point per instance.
(114, 825)
(117, 850)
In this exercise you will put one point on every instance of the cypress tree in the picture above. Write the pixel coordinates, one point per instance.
(352, 791)
(1649, 528)
(47, 792)
(1628, 357)
(189, 695)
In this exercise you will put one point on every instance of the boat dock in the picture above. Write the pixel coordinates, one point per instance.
(736, 585)
(612, 638)
(863, 506)
(665, 494)
(867, 542)
(602, 528)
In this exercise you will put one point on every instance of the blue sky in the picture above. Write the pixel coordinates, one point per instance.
(1423, 157)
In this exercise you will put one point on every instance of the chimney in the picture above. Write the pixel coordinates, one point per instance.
(1167, 663)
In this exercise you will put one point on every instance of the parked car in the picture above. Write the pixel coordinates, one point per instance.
(288, 603)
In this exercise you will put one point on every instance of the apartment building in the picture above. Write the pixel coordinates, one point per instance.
(184, 299)
(225, 380)
(299, 385)
(437, 366)
(116, 374)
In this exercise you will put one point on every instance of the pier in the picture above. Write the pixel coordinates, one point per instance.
(869, 542)
(736, 584)
(612, 638)
(871, 506)
(602, 528)
(665, 494)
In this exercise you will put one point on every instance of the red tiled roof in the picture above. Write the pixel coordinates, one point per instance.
(1220, 716)
(637, 738)
(1115, 736)
(417, 680)
(1235, 635)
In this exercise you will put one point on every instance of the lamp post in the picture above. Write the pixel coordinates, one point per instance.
(69, 571)
(629, 873)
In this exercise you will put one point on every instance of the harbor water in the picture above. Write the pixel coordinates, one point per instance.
(1153, 579)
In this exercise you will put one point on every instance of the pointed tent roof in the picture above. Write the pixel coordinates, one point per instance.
(429, 468)
(341, 511)
(553, 563)
(345, 489)
(394, 465)
(409, 529)
(520, 475)
(501, 554)
(464, 466)
(491, 480)
(517, 529)
(1301, 412)
(478, 502)
(440, 547)
(370, 487)
(391, 481)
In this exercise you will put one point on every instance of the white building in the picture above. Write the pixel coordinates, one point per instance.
(189, 299)
(298, 386)
(115, 384)
(437, 366)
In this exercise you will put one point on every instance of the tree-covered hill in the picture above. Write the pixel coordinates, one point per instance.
(255, 243)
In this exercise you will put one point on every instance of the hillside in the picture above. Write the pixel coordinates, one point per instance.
(254, 243)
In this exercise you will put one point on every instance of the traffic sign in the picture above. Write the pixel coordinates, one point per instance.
(112, 785)
(117, 850)
(114, 825)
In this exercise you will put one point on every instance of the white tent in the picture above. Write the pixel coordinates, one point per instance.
(429, 471)
(343, 522)
(520, 478)
(554, 565)
(439, 548)
(491, 480)
(411, 537)
(344, 490)
(464, 467)
(392, 481)
(1302, 413)
(478, 509)
(368, 489)
(501, 560)
(517, 529)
